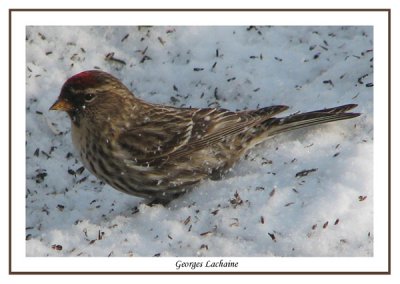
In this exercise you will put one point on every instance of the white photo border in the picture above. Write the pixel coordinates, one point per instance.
(379, 263)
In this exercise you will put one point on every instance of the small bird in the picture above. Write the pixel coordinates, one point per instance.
(159, 152)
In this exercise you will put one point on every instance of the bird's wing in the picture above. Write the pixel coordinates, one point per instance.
(215, 125)
(169, 133)
(159, 133)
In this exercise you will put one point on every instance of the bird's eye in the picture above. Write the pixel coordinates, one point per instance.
(89, 97)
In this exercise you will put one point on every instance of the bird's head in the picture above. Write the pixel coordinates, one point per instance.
(91, 94)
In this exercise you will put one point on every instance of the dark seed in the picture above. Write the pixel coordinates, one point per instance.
(305, 172)
(56, 247)
(328, 82)
(125, 37)
(236, 200)
(80, 170)
(362, 198)
(161, 40)
(145, 58)
(203, 246)
(82, 180)
(52, 148)
(42, 36)
(187, 220)
(44, 153)
(272, 236)
(216, 93)
(323, 47)
(135, 210)
(110, 57)
(360, 79)
(205, 233)
(272, 193)
(40, 177)
(174, 100)
(215, 212)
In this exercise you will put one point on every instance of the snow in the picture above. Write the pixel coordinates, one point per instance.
(260, 208)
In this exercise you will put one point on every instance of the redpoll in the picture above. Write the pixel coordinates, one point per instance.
(159, 152)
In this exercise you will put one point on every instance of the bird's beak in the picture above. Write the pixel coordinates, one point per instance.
(62, 105)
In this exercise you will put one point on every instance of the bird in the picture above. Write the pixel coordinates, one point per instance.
(159, 152)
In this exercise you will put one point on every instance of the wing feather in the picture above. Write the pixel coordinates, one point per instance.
(171, 133)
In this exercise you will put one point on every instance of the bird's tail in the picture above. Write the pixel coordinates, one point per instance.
(274, 125)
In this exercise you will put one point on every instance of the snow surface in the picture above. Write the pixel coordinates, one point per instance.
(261, 208)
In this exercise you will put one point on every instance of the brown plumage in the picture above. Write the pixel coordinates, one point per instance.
(157, 151)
